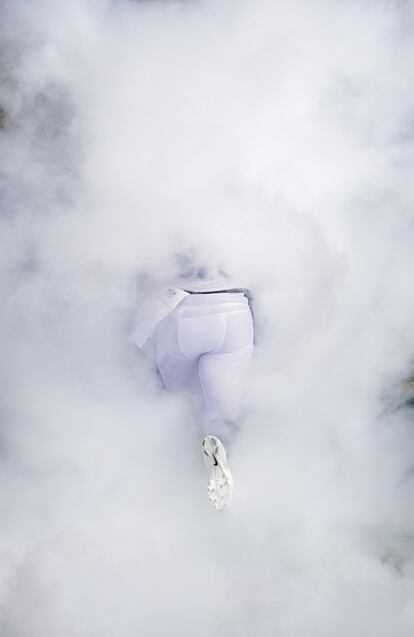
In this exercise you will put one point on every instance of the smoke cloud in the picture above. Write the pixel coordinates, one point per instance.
(274, 139)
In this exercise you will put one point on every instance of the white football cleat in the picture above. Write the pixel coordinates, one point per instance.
(220, 486)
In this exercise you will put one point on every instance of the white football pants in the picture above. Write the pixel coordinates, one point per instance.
(207, 341)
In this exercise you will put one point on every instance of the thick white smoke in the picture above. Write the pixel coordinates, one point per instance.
(276, 139)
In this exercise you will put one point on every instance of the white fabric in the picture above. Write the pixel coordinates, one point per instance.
(157, 303)
(207, 341)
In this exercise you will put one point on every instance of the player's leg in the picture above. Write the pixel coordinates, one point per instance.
(224, 372)
(223, 380)
(223, 377)
(178, 374)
